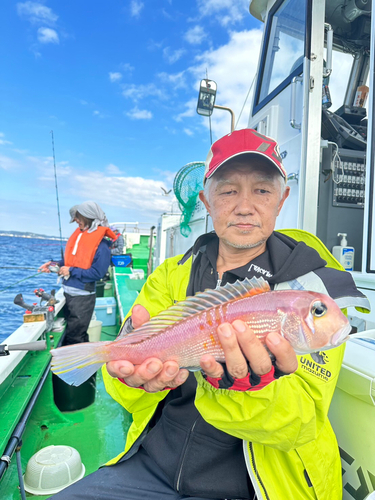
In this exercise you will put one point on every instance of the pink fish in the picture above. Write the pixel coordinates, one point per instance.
(185, 331)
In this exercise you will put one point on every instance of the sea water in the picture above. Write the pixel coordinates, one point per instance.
(19, 259)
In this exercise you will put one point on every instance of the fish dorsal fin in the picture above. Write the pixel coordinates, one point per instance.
(196, 304)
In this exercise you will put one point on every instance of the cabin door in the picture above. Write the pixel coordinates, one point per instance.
(288, 101)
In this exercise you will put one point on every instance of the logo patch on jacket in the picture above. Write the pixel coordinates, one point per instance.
(259, 270)
(316, 365)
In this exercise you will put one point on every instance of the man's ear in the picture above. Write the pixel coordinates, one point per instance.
(204, 201)
(285, 196)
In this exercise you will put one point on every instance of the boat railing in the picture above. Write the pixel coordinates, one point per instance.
(133, 227)
(27, 332)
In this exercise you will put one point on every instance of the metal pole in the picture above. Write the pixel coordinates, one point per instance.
(57, 194)
(232, 115)
(149, 263)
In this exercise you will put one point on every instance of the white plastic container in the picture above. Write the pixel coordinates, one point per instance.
(94, 330)
(343, 253)
(52, 469)
(352, 415)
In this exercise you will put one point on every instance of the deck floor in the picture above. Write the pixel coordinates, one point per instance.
(98, 431)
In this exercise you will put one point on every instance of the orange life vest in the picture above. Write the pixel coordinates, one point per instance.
(81, 246)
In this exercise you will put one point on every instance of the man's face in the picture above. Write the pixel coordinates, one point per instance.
(244, 201)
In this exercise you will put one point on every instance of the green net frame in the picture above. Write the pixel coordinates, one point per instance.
(186, 186)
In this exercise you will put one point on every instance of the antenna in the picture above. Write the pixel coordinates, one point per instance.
(57, 194)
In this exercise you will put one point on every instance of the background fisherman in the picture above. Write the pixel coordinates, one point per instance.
(86, 260)
(247, 427)
(117, 247)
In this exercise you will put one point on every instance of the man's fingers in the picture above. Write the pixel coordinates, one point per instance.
(286, 359)
(140, 315)
(252, 348)
(234, 358)
(143, 373)
(170, 377)
(211, 367)
(120, 369)
(152, 374)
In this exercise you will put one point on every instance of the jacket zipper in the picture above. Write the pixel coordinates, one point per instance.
(219, 280)
(184, 455)
(253, 465)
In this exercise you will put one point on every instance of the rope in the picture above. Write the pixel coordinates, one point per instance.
(244, 104)
(20, 281)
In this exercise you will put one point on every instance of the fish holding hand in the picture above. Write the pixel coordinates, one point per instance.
(186, 331)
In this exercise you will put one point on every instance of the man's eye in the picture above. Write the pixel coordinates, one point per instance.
(231, 191)
(263, 191)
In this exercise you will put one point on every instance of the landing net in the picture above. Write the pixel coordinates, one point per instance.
(186, 186)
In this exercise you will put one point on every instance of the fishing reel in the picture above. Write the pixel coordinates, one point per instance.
(54, 267)
(45, 311)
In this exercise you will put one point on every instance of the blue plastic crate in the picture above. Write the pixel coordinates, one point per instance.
(121, 260)
(105, 310)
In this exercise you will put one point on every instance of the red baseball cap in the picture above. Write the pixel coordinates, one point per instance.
(241, 142)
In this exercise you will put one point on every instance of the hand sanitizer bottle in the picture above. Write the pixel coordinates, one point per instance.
(343, 253)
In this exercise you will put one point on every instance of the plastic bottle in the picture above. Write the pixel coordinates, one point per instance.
(343, 253)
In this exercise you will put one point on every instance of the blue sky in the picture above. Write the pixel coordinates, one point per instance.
(117, 82)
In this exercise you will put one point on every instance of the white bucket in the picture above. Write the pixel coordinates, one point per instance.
(94, 330)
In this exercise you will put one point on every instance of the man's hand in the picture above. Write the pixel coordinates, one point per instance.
(153, 375)
(44, 268)
(240, 346)
(64, 271)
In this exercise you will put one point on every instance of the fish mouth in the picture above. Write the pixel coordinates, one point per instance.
(341, 335)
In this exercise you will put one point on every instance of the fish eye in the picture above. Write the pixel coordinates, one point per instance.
(318, 309)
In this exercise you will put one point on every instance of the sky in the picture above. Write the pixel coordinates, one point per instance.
(117, 84)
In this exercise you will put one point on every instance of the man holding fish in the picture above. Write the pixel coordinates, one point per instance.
(240, 423)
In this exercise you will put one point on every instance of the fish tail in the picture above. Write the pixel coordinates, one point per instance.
(74, 364)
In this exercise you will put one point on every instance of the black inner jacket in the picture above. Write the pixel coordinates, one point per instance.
(199, 459)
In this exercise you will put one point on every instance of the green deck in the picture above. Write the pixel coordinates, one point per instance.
(98, 432)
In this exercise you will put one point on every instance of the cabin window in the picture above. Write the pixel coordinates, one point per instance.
(282, 57)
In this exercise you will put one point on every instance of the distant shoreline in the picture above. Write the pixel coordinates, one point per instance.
(17, 234)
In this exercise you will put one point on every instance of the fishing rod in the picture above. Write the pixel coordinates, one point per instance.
(57, 194)
(20, 281)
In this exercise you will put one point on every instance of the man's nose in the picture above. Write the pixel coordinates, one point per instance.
(245, 204)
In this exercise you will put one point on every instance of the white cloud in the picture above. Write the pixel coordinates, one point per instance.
(135, 193)
(135, 8)
(172, 56)
(115, 77)
(127, 67)
(139, 114)
(191, 107)
(225, 12)
(98, 114)
(7, 163)
(36, 13)
(141, 91)
(48, 35)
(233, 67)
(195, 35)
(113, 169)
(3, 142)
(188, 132)
(177, 80)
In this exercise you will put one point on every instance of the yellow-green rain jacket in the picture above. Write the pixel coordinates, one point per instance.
(289, 445)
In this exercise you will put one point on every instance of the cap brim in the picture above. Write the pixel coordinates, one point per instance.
(282, 172)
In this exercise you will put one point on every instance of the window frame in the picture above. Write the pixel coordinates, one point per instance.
(258, 105)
